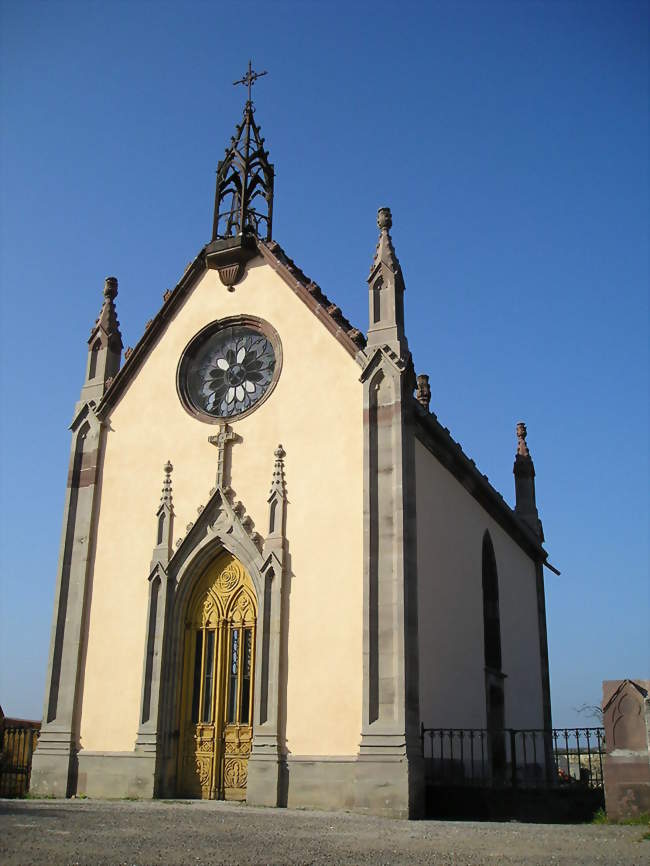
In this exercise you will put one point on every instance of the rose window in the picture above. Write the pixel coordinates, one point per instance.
(227, 369)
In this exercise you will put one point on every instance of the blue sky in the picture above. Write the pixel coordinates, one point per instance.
(510, 140)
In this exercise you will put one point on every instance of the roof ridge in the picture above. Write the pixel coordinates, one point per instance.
(316, 296)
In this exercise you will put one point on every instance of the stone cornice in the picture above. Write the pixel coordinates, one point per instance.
(438, 440)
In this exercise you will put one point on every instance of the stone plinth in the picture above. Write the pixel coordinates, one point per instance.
(626, 768)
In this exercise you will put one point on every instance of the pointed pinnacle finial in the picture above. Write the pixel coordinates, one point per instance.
(278, 482)
(110, 288)
(522, 447)
(385, 252)
(384, 219)
(107, 319)
(166, 497)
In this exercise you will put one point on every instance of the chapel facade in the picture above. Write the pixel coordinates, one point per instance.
(230, 620)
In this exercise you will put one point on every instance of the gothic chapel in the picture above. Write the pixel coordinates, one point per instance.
(254, 632)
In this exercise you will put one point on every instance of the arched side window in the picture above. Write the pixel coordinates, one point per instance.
(491, 620)
(376, 301)
(94, 355)
(494, 677)
(161, 527)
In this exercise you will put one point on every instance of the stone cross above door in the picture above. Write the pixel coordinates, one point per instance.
(224, 437)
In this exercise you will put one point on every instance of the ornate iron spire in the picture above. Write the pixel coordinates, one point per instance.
(244, 196)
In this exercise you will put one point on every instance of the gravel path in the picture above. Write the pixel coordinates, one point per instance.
(195, 833)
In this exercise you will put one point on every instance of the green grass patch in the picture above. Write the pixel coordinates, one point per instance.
(640, 820)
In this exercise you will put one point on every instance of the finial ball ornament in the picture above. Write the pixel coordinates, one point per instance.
(522, 446)
(168, 468)
(110, 287)
(384, 218)
(423, 393)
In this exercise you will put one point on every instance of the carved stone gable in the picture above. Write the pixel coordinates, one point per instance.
(219, 521)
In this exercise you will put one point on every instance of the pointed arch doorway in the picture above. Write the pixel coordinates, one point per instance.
(217, 686)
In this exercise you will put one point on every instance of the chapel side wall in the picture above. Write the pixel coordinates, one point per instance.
(316, 412)
(450, 527)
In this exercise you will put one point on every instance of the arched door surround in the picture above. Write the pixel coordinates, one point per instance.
(220, 530)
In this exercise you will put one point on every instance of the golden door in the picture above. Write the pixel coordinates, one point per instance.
(217, 689)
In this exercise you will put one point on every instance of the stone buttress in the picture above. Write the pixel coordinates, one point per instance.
(389, 772)
(54, 766)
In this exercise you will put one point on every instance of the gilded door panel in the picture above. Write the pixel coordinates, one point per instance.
(238, 729)
(216, 717)
(199, 751)
(235, 763)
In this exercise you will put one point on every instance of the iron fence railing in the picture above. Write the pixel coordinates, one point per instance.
(513, 757)
(17, 742)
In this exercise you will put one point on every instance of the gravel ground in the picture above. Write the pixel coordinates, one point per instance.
(195, 833)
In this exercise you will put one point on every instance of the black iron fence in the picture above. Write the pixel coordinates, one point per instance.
(482, 758)
(17, 740)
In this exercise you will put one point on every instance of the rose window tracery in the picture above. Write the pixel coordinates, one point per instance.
(227, 369)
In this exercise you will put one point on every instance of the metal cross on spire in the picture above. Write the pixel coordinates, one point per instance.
(250, 78)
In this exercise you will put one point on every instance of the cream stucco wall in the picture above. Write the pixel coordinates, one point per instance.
(315, 411)
(450, 528)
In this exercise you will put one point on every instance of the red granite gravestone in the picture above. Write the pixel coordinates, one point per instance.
(626, 768)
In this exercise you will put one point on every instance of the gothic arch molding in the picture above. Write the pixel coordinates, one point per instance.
(222, 525)
(221, 536)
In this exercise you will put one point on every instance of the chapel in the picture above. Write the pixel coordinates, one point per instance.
(228, 622)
